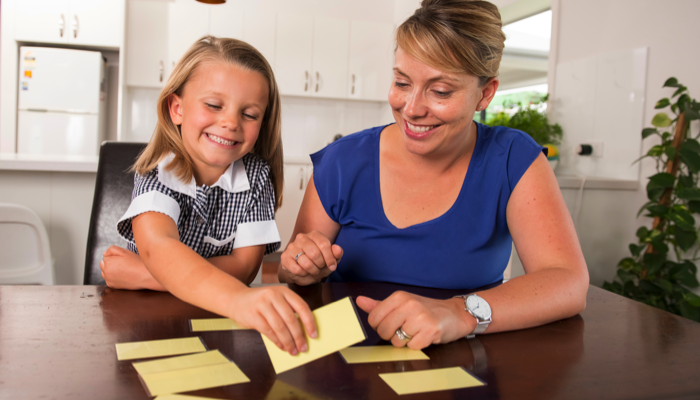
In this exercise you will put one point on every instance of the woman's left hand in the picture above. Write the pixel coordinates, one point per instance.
(426, 321)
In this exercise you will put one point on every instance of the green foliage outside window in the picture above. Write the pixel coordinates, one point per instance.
(532, 120)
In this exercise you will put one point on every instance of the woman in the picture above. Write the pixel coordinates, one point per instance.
(437, 199)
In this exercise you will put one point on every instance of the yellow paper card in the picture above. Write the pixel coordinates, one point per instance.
(182, 362)
(183, 397)
(185, 380)
(159, 348)
(372, 354)
(430, 380)
(338, 328)
(282, 390)
(214, 324)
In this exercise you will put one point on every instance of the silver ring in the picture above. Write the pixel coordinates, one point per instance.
(402, 334)
(298, 255)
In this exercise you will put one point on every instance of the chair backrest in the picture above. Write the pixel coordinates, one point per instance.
(24, 246)
(113, 189)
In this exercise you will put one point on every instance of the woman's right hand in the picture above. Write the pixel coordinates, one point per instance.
(271, 311)
(317, 259)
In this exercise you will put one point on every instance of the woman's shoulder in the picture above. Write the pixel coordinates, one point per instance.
(348, 145)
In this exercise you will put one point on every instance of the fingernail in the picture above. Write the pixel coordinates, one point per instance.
(333, 267)
(314, 335)
(304, 348)
(295, 352)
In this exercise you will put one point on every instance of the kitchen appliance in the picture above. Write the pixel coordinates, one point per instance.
(61, 103)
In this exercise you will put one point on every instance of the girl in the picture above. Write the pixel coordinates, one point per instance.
(205, 192)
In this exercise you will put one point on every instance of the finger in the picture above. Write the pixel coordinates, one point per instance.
(390, 324)
(308, 265)
(396, 342)
(293, 325)
(384, 308)
(261, 325)
(280, 328)
(337, 252)
(366, 304)
(289, 264)
(311, 251)
(324, 245)
(304, 312)
(419, 341)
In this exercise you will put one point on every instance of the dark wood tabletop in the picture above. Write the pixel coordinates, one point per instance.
(57, 342)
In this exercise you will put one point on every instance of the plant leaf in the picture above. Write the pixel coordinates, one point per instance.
(641, 210)
(661, 120)
(670, 152)
(653, 262)
(658, 210)
(662, 103)
(680, 90)
(691, 145)
(646, 132)
(662, 180)
(685, 238)
(691, 115)
(671, 82)
(650, 287)
(692, 298)
(683, 219)
(626, 276)
(691, 159)
(665, 285)
(685, 181)
(687, 278)
(689, 311)
(655, 151)
(691, 193)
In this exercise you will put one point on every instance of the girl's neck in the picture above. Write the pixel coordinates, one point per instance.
(207, 175)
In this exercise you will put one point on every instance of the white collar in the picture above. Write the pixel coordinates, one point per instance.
(233, 180)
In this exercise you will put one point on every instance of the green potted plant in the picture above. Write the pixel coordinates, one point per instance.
(661, 270)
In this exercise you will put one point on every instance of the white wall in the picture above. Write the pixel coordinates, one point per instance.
(587, 28)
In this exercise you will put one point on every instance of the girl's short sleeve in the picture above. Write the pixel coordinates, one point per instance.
(522, 153)
(258, 223)
(149, 195)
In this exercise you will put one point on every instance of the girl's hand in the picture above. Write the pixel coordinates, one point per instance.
(270, 310)
(318, 259)
(122, 269)
(426, 321)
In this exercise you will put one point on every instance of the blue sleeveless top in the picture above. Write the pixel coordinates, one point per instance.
(467, 247)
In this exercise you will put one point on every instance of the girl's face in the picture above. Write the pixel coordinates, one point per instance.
(220, 113)
(434, 109)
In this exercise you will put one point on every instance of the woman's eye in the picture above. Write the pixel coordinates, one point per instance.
(213, 106)
(400, 84)
(442, 94)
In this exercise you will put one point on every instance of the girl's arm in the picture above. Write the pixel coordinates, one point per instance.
(554, 287)
(191, 278)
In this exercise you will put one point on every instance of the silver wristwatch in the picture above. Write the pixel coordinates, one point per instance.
(479, 309)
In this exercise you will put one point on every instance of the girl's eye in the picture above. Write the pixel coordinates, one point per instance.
(251, 117)
(213, 106)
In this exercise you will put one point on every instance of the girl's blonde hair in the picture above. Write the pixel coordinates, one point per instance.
(167, 138)
(457, 36)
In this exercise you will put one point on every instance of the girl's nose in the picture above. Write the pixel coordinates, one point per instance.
(230, 121)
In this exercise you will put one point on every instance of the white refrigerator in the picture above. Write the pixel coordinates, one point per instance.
(61, 103)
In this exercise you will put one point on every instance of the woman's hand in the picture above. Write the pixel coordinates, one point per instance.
(122, 269)
(271, 311)
(317, 259)
(426, 321)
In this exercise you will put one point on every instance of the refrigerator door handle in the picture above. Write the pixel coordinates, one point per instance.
(75, 26)
(61, 25)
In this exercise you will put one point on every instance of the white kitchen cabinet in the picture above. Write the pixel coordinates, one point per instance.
(330, 57)
(312, 55)
(187, 22)
(296, 177)
(293, 53)
(226, 21)
(147, 43)
(371, 60)
(259, 31)
(79, 22)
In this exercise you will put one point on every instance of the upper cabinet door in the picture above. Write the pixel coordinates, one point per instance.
(293, 54)
(259, 30)
(147, 43)
(225, 21)
(96, 22)
(371, 60)
(187, 22)
(330, 57)
(45, 21)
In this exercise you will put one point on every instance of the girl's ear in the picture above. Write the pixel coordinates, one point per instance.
(175, 108)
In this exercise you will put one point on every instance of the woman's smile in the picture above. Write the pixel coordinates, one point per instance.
(419, 131)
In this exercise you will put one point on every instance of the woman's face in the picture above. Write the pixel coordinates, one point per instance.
(434, 109)
(220, 114)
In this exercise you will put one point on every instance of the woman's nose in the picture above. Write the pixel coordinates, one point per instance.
(415, 104)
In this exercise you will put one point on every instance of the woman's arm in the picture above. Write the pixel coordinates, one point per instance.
(554, 287)
(188, 276)
(314, 234)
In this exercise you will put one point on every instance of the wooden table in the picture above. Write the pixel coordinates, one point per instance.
(58, 343)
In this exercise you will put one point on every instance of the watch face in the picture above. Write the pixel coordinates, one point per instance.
(479, 307)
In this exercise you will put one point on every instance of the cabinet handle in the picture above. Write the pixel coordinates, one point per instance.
(352, 91)
(306, 80)
(301, 181)
(318, 79)
(75, 26)
(160, 70)
(61, 25)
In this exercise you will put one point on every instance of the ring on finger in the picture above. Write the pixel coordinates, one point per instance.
(298, 255)
(402, 334)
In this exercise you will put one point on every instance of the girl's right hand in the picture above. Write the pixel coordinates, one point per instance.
(271, 311)
(309, 258)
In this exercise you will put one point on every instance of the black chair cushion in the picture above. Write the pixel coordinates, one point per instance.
(113, 189)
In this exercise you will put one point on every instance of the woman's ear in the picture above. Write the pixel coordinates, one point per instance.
(487, 93)
(175, 108)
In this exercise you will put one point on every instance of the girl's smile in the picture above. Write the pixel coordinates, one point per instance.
(220, 112)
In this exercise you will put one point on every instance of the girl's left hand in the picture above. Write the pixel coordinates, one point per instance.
(426, 321)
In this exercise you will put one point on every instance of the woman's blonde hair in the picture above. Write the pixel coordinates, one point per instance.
(455, 36)
(167, 138)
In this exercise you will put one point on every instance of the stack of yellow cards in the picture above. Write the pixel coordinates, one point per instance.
(202, 370)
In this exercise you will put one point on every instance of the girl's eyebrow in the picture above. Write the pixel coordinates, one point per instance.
(248, 104)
